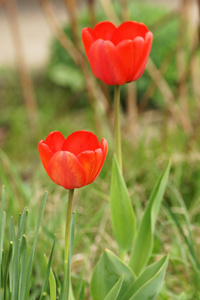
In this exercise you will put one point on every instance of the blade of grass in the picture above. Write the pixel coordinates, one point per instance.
(1, 294)
(44, 287)
(23, 252)
(20, 233)
(190, 246)
(8, 171)
(30, 262)
(19, 219)
(9, 190)
(82, 291)
(2, 268)
(11, 239)
(12, 230)
(2, 226)
(10, 250)
(2, 230)
(52, 281)
(181, 202)
(3, 201)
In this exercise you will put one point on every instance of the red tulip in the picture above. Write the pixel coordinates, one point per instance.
(117, 54)
(75, 161)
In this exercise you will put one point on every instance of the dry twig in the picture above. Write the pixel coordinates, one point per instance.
(95, 94)
(26, 82)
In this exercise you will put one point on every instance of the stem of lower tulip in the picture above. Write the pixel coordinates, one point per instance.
(117, 126)
(67, 228)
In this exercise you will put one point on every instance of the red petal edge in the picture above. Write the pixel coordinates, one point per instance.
(45, 154)
(80, 141)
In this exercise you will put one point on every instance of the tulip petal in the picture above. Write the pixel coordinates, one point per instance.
(125, 50)
(144, 56)
(55, 141)
(81, 141)
(138, 45)
(104, 148)
(65, 170)
(88, 38)
(45, 154)
(129, 31)
(91, 162)
(104, 30)
(106, 63)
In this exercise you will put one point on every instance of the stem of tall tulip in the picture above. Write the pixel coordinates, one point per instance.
(117, 126)
(67, 228)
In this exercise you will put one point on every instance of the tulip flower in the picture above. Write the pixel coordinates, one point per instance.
(73, 162)
(117, 54)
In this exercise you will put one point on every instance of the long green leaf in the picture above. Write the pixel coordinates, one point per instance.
(107, 272)
(122, 215)
(12, 240)
(30, 261)
(16, 270)
(66, 291)
(114, 292)
(2, 230)
(2, 226)
(4, 165)
(149, 283)
(143, 245)
(82, 291)
(23, 271)
(3, 201)
(7, 268)
(1, 294)
(52, 281)
(44, 287)
(187, 241)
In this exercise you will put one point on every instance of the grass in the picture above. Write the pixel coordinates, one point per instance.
(25, 182)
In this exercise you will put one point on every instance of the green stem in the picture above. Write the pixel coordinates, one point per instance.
(67, 228)
(117, 126)
(122, 255)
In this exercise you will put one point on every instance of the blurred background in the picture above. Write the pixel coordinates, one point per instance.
(46, 84)
(35, 32)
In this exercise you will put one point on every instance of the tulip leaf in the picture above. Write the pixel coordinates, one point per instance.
(108, 271)
(143, 245)
(122, 215)
(149, 283)
(114, 292)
